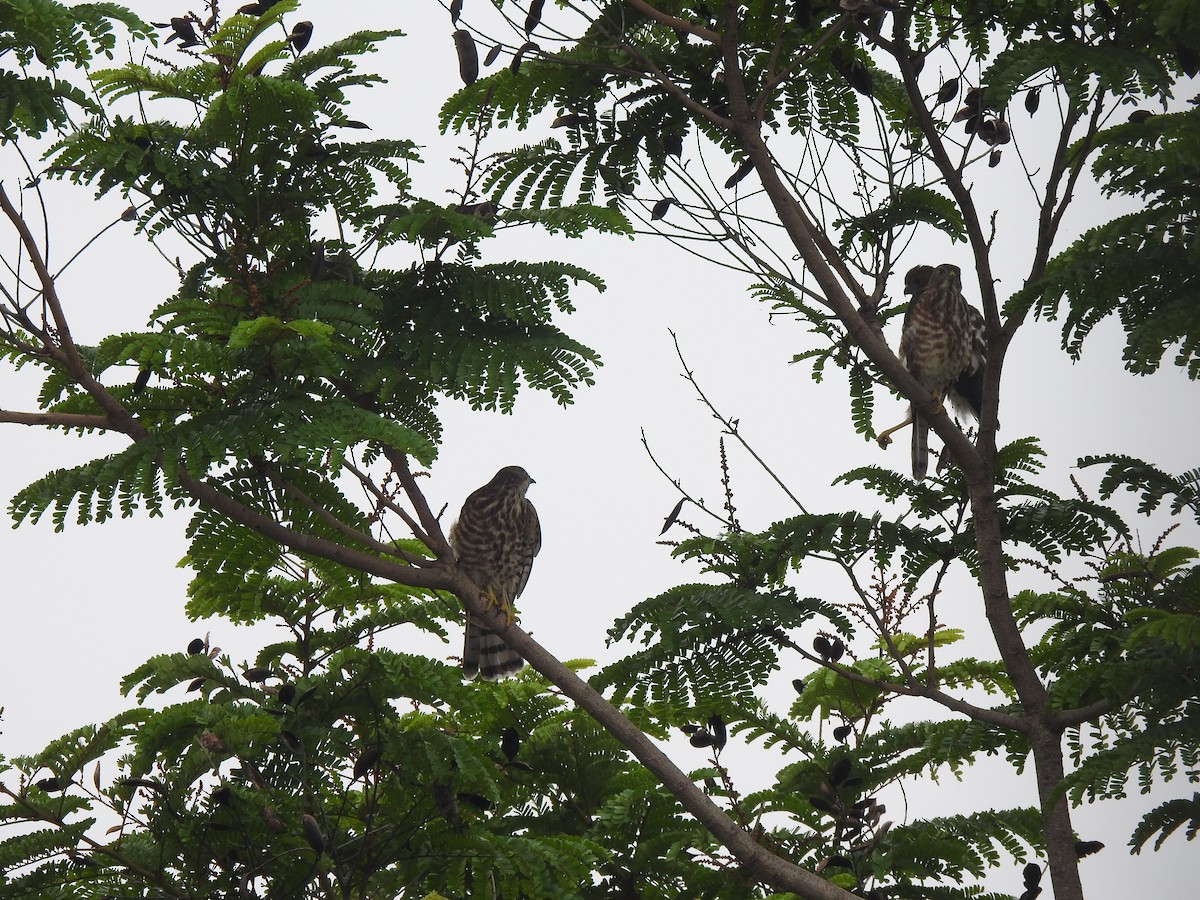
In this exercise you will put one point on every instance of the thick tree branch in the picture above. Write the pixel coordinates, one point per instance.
(674, 22)
(56, 420)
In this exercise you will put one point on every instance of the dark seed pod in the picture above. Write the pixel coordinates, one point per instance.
(798, 685)
(947, 92)
(49, 785)
(535, 15)
(994, 158)
(196, 646)
(312, 833)
(717, 726)
(971, 124)
(148, 783)
(660, 210)
(570, 120)
(1033, 98)
(974, 99)
(510, 743)
(822, 646)
(1032, 873)
(196, 684)
(840, 771)
(468, 56)
(842, 732)
(742, 171)
(290, 741)
(1138, 116)
(287, 693)
(301, 35)
(820, 803)
(272, 821)
(836, 649)
(455, 11)
(527, 47)
(366, 761)
(220, 796)
(1105, 10)
(1087, 848)
(492, 55)
(1188, 59)
(673, 144)
(701, 739)
(860, 77)
(481, 803)
(256, 674)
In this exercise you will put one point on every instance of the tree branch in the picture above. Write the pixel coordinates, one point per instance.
(56, 420)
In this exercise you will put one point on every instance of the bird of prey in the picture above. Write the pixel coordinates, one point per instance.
(943, 347)
(495, 539)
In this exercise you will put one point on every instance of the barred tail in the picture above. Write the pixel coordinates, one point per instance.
(920, 446)
(485, 654)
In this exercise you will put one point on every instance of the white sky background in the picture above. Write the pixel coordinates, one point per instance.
(81, 609)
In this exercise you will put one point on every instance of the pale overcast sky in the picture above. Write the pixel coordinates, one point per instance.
(81, 609)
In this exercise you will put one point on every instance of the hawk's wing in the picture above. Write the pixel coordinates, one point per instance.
(532, 532)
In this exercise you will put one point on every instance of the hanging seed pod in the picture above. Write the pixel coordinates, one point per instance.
(366, 761)
(535, 15)
(717, 726)
(1033, 98)
(947, 92)
(742, 171)
(468, 56)
(492, 56)
(510, 743)
(840, 771)
(455, 11)
(301, 35)
(527, 47)
(660, 210)
(312, 833)
(994, 158)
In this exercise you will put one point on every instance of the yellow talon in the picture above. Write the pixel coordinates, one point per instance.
(494, 602)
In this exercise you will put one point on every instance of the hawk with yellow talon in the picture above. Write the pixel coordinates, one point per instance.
(943, 346)
(496, 537)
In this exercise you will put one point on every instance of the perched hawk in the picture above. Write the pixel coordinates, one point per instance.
(496, 537)
(943, 346)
